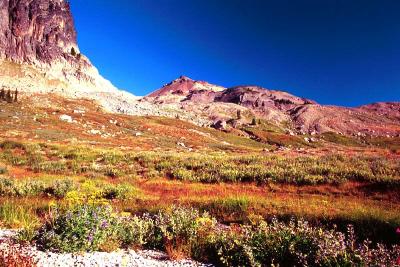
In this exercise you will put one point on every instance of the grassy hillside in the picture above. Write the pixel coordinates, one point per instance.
(148, 164)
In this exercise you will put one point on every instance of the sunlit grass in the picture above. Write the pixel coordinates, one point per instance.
(19, 214)
(329, 189)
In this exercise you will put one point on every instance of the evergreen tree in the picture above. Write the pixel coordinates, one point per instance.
(8, 96)
(73, 52)
(2, 94)
(254, 121)
(16, 95)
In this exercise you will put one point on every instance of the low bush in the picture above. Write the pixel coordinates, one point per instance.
(117, 191)
(53, 167)
(81, 228)
(112, 172)
(298, 244)
(95, 191)
(176, 231)
(6, 187)
(29, 188)
(3, 170)
(228, 209)
(184, 232)
(58, 188)
(8, 144)
(26, 188)
(137, 232)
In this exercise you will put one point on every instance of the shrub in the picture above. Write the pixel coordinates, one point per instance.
(136, 231)
(184, 232)
(229, 208)
(176, 230)
(231, 248)
(112, 172)
(297, 244)
(8, 144)
(29, 188)
(3, 170)
(55, 167)
(6, 187)
(214, 168)
(183, 175)
(117, 191)
(82, 228)
(60, 188)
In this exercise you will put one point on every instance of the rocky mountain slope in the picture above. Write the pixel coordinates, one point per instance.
(241, 105)
(39, 54)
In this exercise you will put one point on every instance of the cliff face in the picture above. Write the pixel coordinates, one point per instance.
(37, 31)
(40, 36)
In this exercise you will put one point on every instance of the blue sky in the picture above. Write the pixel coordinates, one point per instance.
(343, 52)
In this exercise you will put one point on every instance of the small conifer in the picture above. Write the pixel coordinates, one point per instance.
(2, 94)
(16, 95)
(9, 96)
(73, 52)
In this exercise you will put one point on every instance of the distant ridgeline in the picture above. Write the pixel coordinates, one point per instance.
(8, 96)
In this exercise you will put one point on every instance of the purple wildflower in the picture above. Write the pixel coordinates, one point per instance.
(104, 224)
(90, 237)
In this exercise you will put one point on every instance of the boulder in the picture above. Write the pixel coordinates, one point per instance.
(66, 118)
(220, 125)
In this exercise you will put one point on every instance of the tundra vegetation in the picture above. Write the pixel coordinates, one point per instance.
(268, 198)
(233, 210)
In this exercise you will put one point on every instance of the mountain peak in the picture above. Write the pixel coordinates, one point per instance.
(184, 78)
(184, 86)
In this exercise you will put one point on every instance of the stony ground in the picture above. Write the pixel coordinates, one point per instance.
(123, 258)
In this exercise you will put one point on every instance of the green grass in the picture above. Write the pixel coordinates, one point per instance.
(341, 139)
(276, 169)
(233, 209)
(276, 138)
(234, 142)
(17, 216)
(212, 168)
(118, 176)
(392, 143)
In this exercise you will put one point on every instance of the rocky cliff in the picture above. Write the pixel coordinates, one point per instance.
(37, 31)
(39, 37)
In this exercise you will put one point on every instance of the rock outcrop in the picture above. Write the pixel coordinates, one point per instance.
(37, 31)
(41, 34)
